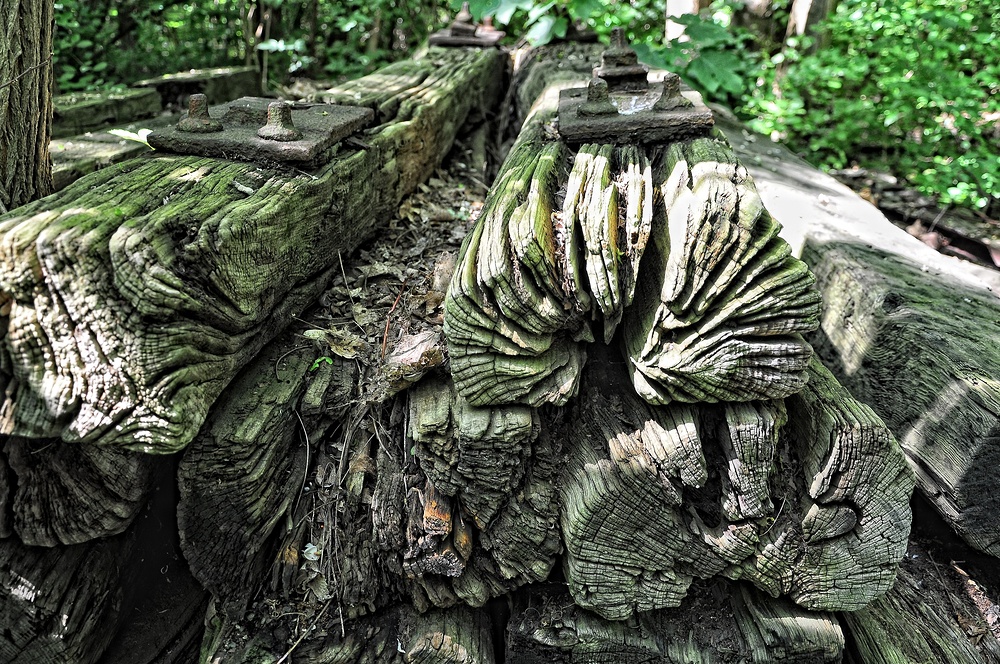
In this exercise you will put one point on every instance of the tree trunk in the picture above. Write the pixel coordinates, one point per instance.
(758, 17)
(804, 16)
(25, 101)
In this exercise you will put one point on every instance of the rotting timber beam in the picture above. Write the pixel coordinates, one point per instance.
(132, 299)
(951, 628)
(719, 622)
(459, 500)
(908, 330)
(245, 472)
(811, 496)
(134, 296)
(758, 464)
(806, 499)
(176, 270)
(945, 418)
(914, 343)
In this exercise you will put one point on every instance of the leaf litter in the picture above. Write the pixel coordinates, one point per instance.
(380, 318)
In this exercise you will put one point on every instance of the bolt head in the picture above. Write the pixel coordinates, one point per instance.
(198, 120)
(279, 125)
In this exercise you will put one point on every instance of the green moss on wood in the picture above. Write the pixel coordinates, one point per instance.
(137, 293)
(81, 112)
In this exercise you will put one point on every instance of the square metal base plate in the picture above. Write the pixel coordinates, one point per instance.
(633, 123)
(322, 127)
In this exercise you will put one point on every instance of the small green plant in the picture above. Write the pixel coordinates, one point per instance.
(714, 58)
(98, 44)
(319, 362)
(541, 22)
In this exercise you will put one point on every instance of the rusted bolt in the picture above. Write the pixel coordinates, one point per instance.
(463, 26)
(198, 120)
(279, 123)
(671, 98)
(620, 66)
(487, 25)
(598, 102)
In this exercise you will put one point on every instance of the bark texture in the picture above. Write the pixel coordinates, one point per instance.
(25, 101)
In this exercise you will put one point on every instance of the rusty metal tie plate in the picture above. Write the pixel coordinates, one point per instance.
(463, 32)
(634, 119)
(621, 106)
(321, 127)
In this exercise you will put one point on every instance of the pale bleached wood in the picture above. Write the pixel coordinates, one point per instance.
(638, 532)
(510, 323)
(721, 302)
(718, 622)
(914, 345)
(715, 312)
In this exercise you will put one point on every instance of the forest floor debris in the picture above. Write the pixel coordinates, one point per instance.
(383, 311)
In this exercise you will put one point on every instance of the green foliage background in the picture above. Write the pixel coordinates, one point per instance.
(100, 43)
(908, 86)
